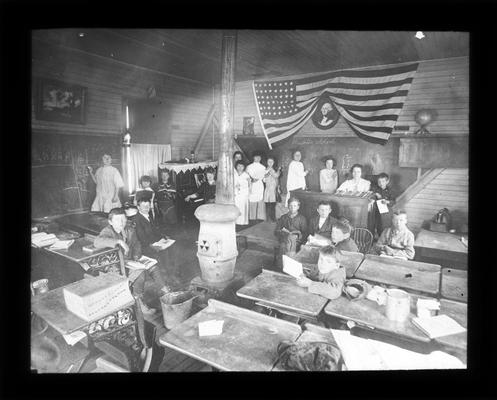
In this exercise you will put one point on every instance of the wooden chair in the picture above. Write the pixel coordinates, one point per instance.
(363, 238)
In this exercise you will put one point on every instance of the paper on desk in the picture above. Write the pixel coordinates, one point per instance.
(164, 243)
(210, 328)
(143, 263)
(292, 267)
(430, 304)
(74, 337)
(62, 244)
(362, 354)
(382, 207)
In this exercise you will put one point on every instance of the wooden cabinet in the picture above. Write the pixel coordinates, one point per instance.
(355, 209)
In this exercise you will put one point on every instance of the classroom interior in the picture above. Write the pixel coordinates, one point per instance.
(226, 279)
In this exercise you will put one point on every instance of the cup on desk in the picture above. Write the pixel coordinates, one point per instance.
(40, 286)
(398, 305)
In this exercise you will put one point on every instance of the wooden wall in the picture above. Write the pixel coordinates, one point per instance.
(108, 82)
(449, 189)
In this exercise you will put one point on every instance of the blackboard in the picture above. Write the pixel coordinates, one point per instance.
(60, 182)
(434, 152)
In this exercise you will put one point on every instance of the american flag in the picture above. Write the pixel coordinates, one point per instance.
(369, 100)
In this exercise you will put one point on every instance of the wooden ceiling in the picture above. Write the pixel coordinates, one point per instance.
(196, 54)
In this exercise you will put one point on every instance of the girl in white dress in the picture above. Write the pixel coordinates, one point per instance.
(108, 181)
(356, 184)
(328, 177)
(271, 180)
(296, 175)
(242, 190)
(257, 207)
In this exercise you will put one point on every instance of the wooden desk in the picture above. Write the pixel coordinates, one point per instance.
(281, 291)
(418, 276)
(459, 312)
(51, 307)
(454, 284)
(249, 340)
(355, 209)
(368, 313)
(445, 249)
(88, 222)
(309, 255)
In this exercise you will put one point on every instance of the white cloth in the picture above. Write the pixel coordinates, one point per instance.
(351, 185)
(144, 160)
(328, 180)
(108, 180)
(295, 179)
(242, 190)
(256, 171)
(271, 181)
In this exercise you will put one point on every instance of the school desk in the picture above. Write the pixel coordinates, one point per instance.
(309, 255)
(413, 275)
(248, 342)
(281, 292)
(87, 222)
(454, 284)
(459, 312)
(52, 309)
(445, 249)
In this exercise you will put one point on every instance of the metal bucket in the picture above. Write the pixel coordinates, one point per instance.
(176, 307)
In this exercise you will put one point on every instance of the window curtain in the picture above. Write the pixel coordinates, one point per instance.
(144, 160)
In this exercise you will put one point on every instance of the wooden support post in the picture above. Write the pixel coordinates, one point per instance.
(225, 177)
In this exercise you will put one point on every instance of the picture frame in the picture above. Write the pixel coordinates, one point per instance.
(59, 101)
(248, 125)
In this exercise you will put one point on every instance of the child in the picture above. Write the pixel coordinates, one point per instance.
(291, 230)
(296, 175)
(328, 177)
(340, 236)
(382, 192)
(271, 180)
(166, 199)
(328, 278)
(320, 226)
(207, 190)
(121, 233)
(398, 240)
(257, 208)
(242, 190)
(146, 191)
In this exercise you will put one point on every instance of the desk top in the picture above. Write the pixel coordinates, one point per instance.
(51, 306)
(309, 255)
(412, 275)
(369, 313)
(454, 284)
(440, 241)
(281, 290)
(459, 312)
(75, 251)
(249, 340)
(86, 222)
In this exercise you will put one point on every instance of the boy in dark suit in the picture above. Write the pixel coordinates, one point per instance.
(321, 224)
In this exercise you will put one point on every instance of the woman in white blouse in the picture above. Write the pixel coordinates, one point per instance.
(296, 175)
(356, 184)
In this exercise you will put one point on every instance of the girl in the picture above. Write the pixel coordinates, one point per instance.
(257, 208)
(356, 184)
(328, 177)
(146, 191)
(271, 180)
(108, 181)
(296, 175)
(166, 199)
(207, 190)
(242, 190)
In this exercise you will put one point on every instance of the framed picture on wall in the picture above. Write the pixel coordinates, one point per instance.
(248, 125)
(60, 102)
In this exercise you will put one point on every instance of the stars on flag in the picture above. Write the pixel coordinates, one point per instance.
(276, 99)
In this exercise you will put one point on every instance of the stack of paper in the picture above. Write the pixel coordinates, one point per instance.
(61, 244)
(437, 326)
(43, 239)
(143, 263)
(382, 207)
(292, 267)
(163, 243)
(210, 328)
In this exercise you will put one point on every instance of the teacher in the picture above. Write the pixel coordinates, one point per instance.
(108, 181)
(356, 184)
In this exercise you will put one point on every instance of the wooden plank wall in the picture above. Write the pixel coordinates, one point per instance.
(108, 82)
(449, 189)
(439, 84)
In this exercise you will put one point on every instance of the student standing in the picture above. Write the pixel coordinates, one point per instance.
(242, 190)
(296, 175)
(382, 193)
(271, 178)
(108, 181)
(257, 207)
(328, 176)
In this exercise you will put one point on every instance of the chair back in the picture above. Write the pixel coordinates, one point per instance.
(363, 238)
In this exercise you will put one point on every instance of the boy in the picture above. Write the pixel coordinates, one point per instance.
(398, 240)
(320, 225)
(146, 191)
(382, 192)
(166, 199)
(291, 230)
(340, 236)
(120, 233)
(328, 278)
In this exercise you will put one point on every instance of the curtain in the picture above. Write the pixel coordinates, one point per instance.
(143, 159)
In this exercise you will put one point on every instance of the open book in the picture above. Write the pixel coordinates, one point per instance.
(437, 326)
(292, 267)
(143, 263)
(163, 244)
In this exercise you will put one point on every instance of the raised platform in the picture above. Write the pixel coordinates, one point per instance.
(260, 236)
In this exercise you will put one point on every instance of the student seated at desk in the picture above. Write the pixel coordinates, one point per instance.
(340, 236)
(121, 232)
(398, 240)
(328, 277)
(166, 199)
(320, 225)
(146, 191)
(291, 229)
(207, 190)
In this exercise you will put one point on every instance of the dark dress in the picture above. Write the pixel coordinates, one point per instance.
(165, 197)
(207, 192)
(379, 222)
(325, 230)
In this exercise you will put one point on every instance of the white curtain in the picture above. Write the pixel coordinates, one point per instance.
(144, 159)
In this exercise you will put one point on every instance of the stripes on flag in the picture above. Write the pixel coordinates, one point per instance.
(370, 100)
